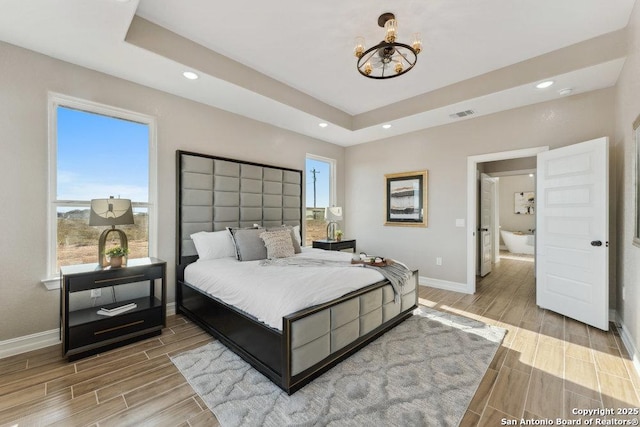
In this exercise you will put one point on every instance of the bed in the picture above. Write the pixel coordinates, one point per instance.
(214, 193)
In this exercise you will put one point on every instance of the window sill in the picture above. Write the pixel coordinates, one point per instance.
(51, 284)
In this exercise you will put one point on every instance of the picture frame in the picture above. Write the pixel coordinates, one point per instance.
(636, 190)
(524, 203)
(406, 199)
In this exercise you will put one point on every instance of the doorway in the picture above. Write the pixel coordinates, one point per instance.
(473, 164)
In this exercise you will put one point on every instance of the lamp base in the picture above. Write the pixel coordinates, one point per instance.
(331, 230)
(124, 243)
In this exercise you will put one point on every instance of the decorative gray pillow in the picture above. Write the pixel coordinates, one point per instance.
(249, 245)
(278, 243)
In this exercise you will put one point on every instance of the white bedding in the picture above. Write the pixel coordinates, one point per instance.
(271, 292)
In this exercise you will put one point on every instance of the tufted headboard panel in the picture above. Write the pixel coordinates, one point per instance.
(215, 192)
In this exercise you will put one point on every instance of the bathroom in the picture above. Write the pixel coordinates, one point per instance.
(517, 220)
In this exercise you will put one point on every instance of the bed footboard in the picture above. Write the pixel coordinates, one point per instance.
(321, 336)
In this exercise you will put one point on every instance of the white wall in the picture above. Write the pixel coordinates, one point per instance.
(507, 187)
(443, 152)
(26, 77)
(627, 108)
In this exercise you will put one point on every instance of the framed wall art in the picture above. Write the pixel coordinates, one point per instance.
(524, 203)
(406, 199)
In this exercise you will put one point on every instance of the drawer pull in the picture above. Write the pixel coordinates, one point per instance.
(118, 278)
(118, 327)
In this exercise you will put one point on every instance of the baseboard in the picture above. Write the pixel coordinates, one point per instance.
(44, 339)
(632, 349)
(31, 342)
(443, 284)
(171, 308)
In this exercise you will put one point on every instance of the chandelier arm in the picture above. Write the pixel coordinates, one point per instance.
(368, 58)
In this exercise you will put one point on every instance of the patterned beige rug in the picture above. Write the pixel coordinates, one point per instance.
(423, 372)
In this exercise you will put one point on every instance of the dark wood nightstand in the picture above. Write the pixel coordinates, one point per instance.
(335, 245)
(85, 332)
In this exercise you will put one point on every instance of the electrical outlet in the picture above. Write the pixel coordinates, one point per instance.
(96, 293)
(438, 260)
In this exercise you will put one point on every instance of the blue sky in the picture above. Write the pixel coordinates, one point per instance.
(322, 183)
(101, 156)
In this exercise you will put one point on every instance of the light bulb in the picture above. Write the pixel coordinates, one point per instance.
(391, 28)
(417, 43)
(368, 68)
(398, 67)
(359, 49)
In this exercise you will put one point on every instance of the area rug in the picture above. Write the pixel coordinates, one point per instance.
(423, 372)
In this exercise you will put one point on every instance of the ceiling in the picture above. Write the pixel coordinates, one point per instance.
(290, 63)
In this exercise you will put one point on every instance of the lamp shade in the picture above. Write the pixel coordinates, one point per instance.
(111, 212)
(333, 213)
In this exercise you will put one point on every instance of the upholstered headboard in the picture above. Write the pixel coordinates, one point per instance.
(215, 192)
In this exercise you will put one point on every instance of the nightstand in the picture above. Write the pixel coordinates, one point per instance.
(335, 245)
(85, 332)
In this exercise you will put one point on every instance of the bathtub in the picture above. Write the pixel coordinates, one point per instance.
(518, 242)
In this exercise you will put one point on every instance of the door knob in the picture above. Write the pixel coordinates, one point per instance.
(596, 243)
(483, 229)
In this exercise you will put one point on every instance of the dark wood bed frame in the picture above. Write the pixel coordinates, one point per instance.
(266, 349)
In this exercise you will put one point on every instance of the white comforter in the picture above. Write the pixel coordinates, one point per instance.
(271, 292)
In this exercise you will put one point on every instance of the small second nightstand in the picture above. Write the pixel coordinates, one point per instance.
(335, 245)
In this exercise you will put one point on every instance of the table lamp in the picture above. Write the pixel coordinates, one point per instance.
(332, 215)
(110, 212)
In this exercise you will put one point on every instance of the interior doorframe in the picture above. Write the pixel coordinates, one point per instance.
(472, 203)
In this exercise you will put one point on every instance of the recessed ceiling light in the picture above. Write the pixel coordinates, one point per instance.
(387, 126)
(531, 175)
(565, 92)
(545, 84)
(323, 124)
(190, 75)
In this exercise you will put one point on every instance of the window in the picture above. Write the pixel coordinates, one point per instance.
(320, 193)
(95, 152)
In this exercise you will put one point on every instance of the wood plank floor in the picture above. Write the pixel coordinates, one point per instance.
(546, 366)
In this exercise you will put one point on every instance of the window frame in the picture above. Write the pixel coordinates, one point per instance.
(332, 184)
(636, 181)
(56, 100)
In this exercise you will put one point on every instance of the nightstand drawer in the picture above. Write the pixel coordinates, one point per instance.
(113, 277)
(114, 327)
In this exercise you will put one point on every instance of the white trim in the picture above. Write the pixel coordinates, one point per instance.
(31, 342)
(58, 99)
(442, 284)
(629, 344)
(472, 202)
(171, 309)
(52, 283)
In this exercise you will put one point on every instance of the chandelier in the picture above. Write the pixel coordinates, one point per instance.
(388, 58)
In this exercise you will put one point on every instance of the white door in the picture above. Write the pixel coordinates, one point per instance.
(572, 232)
(487, 186)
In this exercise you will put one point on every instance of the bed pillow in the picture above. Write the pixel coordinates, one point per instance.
(248, 244)
(279, 243)
(213, 245)
(295, 239)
